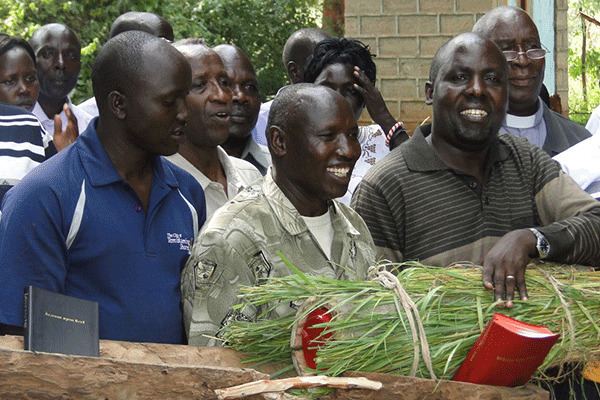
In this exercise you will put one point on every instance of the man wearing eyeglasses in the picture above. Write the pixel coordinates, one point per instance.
(515, 33)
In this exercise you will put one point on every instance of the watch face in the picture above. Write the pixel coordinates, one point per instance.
(543, 246)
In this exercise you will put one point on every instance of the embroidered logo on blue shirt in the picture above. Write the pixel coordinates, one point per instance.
(177, 238)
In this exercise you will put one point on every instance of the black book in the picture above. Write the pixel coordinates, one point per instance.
(55, 323)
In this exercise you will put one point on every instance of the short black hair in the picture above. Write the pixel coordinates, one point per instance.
(118, 64)
(438, 60)
(138, 21)
(340, 51)
(300, 45)
(10, 42)
(284, 109)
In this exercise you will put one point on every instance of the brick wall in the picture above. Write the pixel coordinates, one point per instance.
(405, 34)
(561, 38)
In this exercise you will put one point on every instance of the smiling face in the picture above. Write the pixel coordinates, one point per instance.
(469, 93)
(18, 79)
(321, 151)
(58, 54)
(340, 78)
(244, 86)
(155, 108)
(209, 100)
(513, 29)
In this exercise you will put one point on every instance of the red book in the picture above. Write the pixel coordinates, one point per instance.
(507, 353)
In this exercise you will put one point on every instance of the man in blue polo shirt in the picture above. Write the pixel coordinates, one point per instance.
(108, 219)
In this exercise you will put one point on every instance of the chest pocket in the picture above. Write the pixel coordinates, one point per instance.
(260, 267)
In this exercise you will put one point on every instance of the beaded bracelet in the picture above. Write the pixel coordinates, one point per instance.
(393, 129)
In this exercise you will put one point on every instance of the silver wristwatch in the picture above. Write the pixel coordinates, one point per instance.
(542, 245)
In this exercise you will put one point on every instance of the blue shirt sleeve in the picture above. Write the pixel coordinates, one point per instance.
(32, 246)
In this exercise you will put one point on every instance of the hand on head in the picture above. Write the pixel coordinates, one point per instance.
(373, 100)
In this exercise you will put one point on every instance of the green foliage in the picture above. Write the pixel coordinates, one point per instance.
(260, 27)
(579, 108)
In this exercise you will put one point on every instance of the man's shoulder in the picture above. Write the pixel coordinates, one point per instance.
(240, 224)
(55, 184)
(573, 131)
(519, 147)
(391, 166)
(186, 181)
(247, 172)
(249, 207)
(19, 126)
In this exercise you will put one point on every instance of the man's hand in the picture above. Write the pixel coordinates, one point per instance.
(64, 138)
(504, 265)
(373, 100)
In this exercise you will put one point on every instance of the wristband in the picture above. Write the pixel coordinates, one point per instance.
(393, 129)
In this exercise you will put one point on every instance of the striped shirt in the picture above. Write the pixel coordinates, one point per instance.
(21, 145)
(419, 209)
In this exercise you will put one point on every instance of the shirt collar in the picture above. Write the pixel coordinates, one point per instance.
(515, 121)
(233, 178)
(99, 167)
(420, 156)
(231, 173)
(258, 152)
(291, 220)
(41, 114)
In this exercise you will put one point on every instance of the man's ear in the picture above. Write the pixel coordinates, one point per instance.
(293, 72)
(277, 141)
(117, 103)
(429, 93)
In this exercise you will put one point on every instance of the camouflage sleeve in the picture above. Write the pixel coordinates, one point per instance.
(210, 285)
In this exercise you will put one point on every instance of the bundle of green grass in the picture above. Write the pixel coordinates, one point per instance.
(372, 330)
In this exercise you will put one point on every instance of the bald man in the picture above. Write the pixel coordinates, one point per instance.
(296, 52)
(515, 33)
(313, 142)
(244, 108)
(58, 55)
(133, 21)
(108, 219)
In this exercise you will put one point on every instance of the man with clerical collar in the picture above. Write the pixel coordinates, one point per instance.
(312, 138)
(244, 109)
(465, 193)
(515, 33)
(209, 106)
(108, 219)
(58, 53)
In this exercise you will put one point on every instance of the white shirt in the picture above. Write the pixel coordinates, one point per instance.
(90, 107)
(373, 149)
(259, 132)
(239, 174)
(593, 124)
(83, 118)
(582, 163)
(321, 228)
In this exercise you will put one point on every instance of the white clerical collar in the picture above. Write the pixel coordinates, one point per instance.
(530, 121)
(514, 121)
